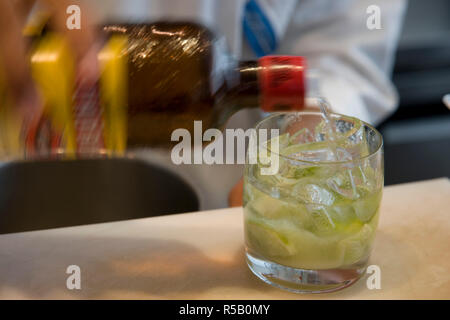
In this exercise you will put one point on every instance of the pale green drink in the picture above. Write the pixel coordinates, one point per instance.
(317, 216)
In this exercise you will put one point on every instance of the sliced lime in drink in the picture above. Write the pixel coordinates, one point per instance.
(267, 240)
(287, 244)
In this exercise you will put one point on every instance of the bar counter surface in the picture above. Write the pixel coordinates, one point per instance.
(201, 255)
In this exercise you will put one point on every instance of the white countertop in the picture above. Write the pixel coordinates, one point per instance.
(201, 255)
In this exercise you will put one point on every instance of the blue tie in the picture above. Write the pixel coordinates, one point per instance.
(258, 30)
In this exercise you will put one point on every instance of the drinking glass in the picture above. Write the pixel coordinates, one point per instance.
(311, 200)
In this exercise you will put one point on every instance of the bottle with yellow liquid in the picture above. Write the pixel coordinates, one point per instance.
(76, 120)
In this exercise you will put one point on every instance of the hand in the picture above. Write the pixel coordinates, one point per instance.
(235, 195)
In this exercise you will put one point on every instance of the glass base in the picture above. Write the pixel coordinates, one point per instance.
(304, 280)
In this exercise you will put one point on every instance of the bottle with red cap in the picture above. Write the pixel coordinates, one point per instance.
(180, 73)
(155, 78)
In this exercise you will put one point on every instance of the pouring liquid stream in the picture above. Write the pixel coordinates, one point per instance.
(331, 141)
(330, 136)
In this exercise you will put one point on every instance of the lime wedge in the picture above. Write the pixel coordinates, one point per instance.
(289, 245)
(265, 240)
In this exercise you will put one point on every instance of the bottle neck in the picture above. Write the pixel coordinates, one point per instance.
(246, 91)
(274, 83)
(249, 77)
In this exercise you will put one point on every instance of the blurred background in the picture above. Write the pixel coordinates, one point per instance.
(417, 135)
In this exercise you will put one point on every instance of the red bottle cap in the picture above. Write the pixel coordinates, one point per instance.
(282, 83)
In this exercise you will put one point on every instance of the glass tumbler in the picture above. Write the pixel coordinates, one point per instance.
(312, 192)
